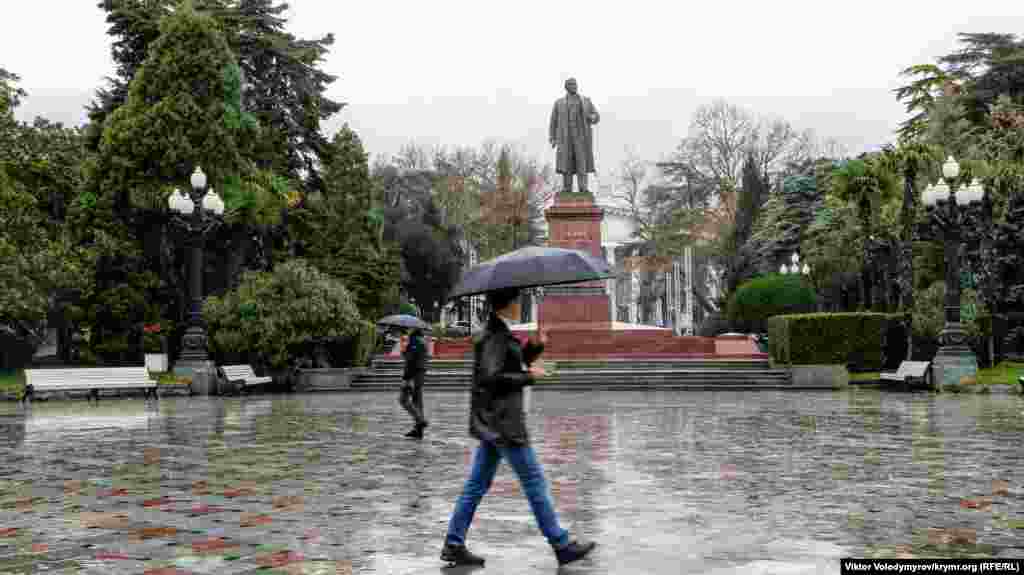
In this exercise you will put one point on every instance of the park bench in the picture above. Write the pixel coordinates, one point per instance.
(242, 375)
(909, 373)
(91, 379)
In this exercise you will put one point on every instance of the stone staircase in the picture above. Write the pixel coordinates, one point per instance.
(611, 374)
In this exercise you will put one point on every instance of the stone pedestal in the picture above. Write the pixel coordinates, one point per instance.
(954, 362)
(952, 365)
(202, 373)
(156, 362)
(574, 222)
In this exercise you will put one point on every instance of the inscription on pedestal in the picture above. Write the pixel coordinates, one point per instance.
(576, 227)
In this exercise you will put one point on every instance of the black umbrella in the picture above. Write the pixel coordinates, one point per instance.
(404, 320)
(531, 267)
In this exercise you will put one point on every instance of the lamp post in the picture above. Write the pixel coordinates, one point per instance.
(795, 268)
(948, 207)
(197, 214)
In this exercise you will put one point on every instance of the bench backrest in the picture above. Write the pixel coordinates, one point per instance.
(913, 369)
(239, 371)
(88, 377)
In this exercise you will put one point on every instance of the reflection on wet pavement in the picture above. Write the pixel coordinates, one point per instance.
(666, 482)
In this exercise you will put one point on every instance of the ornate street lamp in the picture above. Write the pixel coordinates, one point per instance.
(197, 214)
(795, 268)
(948, 206)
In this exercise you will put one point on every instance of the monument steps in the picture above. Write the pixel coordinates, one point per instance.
(611, 385)
(591, 376)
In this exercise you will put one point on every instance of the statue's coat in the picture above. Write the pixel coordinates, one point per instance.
(583, 142)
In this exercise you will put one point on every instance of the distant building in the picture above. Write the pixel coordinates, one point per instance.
(675, 286)
(673, 280)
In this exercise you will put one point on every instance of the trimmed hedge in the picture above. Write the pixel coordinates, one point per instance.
(861, 341)
(763, 297)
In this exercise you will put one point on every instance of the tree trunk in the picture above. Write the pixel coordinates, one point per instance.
(906, 257)
(866, 280)
(862, 291)
(240, 240)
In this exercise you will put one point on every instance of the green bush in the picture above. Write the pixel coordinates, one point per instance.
(408, 309)
(276, 314)
(761, 298)
(857, 340)
(366, 343)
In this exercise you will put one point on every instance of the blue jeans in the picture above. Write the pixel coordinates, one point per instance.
(531, 478)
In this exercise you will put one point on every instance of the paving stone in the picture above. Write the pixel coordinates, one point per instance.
(702, 482)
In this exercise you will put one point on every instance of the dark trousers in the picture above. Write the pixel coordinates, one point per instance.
(411, 398)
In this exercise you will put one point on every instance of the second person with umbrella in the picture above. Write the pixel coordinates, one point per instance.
(414, 351)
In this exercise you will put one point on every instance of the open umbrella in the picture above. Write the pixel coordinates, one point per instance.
(404, 320)
(531, 267)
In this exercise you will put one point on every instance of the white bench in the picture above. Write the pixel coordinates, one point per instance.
(242, 374)
(91, 379)
(909, 372)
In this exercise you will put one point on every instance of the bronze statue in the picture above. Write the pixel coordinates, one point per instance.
(570, 133)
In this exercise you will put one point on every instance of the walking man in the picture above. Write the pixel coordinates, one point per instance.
(414, 350)
(501, 368)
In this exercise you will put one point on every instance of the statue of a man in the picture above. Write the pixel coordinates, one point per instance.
(570, 133)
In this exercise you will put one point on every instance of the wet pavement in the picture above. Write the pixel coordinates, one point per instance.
(666, 482)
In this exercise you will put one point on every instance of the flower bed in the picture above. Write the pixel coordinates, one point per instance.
(170, 378)
(154, 337)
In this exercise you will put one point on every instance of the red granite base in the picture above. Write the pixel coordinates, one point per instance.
(627, 344)
(575, 313)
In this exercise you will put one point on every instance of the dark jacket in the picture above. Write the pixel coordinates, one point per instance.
(496, 405)
(415, 355)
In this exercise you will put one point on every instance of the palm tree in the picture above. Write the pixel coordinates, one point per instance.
(866, 183)
(913, 161)
(920, 97)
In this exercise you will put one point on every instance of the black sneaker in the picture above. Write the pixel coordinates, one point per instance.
(459, 555)
(416, 433)
(574, 551)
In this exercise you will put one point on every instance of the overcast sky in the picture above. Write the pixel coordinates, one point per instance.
(458, 72)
